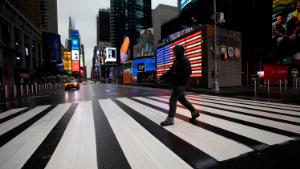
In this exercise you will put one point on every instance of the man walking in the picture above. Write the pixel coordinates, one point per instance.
(179, 73)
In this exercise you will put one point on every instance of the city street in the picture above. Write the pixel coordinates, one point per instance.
(115, 126)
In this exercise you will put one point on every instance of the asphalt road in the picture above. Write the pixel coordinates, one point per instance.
(115, 126)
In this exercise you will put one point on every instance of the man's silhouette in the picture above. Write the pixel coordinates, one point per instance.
(179, 74)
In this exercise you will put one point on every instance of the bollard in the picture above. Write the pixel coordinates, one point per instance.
(21, 87)
(6, 91)
(285, 85)
(32, 90)
(27, 90)
(280, 85)
(255, 88)
(36, 88)
(268, 85)
(296, 83)
(15, 91)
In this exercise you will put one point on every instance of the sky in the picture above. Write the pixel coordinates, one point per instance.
(84, 14)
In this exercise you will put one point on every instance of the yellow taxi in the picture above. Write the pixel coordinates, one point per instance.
(72, 84)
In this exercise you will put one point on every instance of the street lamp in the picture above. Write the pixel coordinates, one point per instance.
(216, 87)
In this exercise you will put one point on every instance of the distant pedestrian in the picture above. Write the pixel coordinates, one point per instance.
(179, 74)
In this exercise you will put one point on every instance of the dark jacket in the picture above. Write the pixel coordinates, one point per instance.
(179, 72)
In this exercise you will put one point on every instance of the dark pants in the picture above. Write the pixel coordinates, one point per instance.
(179, 94)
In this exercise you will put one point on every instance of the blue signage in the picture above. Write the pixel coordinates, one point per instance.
(75, 44)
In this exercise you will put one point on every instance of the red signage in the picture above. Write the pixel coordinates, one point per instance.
(274, 73)
(75, 66)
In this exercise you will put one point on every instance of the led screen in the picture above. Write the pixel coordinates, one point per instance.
(124, 51)
(183, 3)
(75, 66)
(146, 64)
(193, 51)
(75, 44)
(75, 55)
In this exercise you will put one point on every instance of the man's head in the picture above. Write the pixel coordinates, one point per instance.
(280, 19)
(179, 51)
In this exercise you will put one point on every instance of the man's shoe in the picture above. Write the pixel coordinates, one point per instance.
(169, 121)
(195, 115)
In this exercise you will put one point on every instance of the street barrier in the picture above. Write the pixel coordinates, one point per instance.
(255, 88)
(15, 91)
(6, 91)
(21, 87)
(280, 85)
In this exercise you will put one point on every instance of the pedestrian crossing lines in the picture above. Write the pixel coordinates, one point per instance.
(125, 130)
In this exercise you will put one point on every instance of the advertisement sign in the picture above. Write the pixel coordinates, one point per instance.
(274, 73)
(193, 51)
(183, 3)
(75, 66)
(75, 44)
(143, 65)
(51, 47)
(74, 34)
(75, 55)
(124, 51)
(67, 65)
(145, 45)
(110, 54)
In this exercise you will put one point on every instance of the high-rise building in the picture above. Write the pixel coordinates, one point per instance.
(103, 26)
(160, 15)
(20, 42)
(128, 18)
(49, 16)
(30, 9)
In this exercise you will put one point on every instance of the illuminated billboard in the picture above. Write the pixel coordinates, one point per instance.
(183, 4)
(145, 45)
(75, 44)
(124, 51)
(193, 51)
(75, 66)
(143, 65)
(67, 65)
(75, 55)
(110, 54)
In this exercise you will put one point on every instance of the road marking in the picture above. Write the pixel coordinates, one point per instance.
(16, 152)
(141, 149)
(246, 131)
(12, 123)
(11, 112)
(77, 147)
(242, 104)
(246, 118)
(214, 145)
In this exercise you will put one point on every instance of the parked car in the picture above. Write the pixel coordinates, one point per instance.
(72, 84)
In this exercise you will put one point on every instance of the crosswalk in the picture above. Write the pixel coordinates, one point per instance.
(74, 135)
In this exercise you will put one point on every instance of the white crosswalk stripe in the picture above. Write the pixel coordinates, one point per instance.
(77, 146)
(242, 104)
(249, 111)
(259, 103)
(15, 153)
(11, 112)
(141, 148)
(250, 132)
(247, 118)
(217, 146)
(10, 124)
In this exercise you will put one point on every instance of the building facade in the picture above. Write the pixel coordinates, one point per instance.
(49, 16)
(160, 15)
(20, 43)
(127, 19)
(103, 26)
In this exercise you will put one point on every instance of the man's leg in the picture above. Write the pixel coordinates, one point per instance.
(172, 107)
(189, 106)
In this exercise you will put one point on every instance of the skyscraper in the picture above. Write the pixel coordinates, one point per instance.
(49, 16)
(128, 17)
(103, 26)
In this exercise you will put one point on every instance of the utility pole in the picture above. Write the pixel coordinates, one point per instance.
(216, 87)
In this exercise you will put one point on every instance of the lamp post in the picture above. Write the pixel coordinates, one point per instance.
(216, 87)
